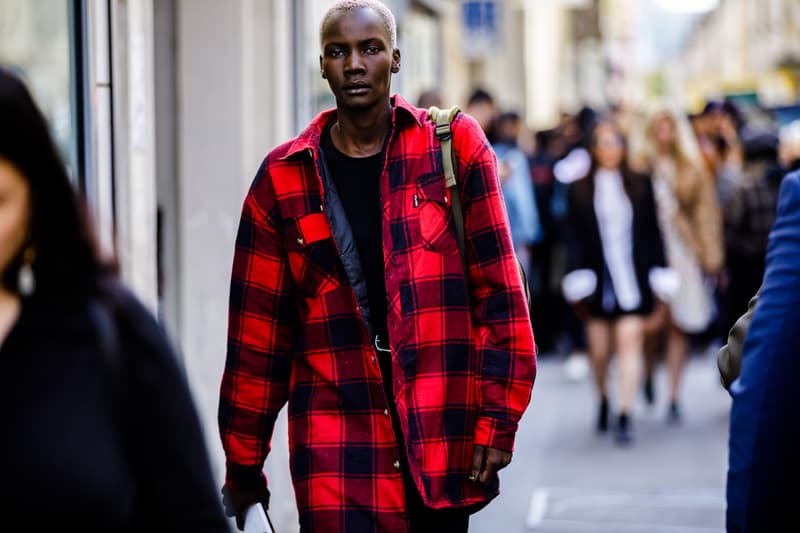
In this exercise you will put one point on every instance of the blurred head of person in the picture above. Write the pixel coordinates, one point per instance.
(429, 98)
(607, 146)
(723, 120)
(663, 132)
(761, 146)
(44, 232)
(507, 128)
(789, 145)
(481, 107)
(666, 133)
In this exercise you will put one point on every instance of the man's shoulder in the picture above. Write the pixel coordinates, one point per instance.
(307, 141)
(789, 196)
(280, 152)
(792, 180)
(468, 137)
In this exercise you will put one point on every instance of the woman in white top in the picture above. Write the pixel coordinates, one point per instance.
(613, 244)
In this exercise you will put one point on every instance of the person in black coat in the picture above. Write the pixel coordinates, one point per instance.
(613, 245)
(99, 429)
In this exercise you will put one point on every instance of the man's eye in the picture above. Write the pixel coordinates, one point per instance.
(335, 53)
(371, 50)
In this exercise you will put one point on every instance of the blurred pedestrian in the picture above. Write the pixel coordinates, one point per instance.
(518, 192)
(729, 358)
(482, 108)
(762, 490)
(429, 98)
(613, 242)
(748, 216)
(719, 133)
(100, 430)
(546, 293)
(691, 225)
(569, 147)
(405, 381)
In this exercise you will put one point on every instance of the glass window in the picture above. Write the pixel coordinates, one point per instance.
(35, 44)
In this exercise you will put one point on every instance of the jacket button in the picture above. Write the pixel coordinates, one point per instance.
(386, 412)
(397, 465)
(300, 242)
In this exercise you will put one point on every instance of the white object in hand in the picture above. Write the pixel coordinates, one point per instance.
(255, 521)
(579, 284)
(664, 282)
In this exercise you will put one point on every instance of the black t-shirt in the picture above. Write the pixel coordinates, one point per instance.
(357, 180)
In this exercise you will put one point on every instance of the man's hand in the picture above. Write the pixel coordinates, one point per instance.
(486, 462)
(238, 501)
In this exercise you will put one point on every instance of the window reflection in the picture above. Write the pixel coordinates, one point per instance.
(34, 44)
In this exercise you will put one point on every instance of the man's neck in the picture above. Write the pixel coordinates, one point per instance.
(361, 133)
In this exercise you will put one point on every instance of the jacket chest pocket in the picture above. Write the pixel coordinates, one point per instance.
(312, 254)
(436, 223)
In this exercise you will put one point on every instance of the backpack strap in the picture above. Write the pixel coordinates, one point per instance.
(443, 119)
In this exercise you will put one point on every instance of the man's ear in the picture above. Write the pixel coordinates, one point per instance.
(321, 72)
(395, 61)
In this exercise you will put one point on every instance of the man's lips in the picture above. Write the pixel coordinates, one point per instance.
(356, 89)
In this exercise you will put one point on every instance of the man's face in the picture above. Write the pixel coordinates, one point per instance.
(357, 59)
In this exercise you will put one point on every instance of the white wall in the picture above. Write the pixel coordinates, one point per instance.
(233, 91)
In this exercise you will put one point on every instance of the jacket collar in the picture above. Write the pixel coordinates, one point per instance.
(309, 139)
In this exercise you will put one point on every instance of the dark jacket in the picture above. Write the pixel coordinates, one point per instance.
(99, 435)
(584, 246)
(763, 472)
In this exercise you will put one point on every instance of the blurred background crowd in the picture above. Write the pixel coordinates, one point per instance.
(163, 109)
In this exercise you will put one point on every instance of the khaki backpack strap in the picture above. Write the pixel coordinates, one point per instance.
(443, 119)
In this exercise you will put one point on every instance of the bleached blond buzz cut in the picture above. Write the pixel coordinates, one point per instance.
(346, 6)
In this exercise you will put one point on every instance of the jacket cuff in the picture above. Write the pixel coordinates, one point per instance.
(245, 476)
(495, 433)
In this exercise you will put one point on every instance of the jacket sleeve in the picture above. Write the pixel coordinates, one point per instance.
(763, 467)
(505, 350)
(652, 230)
(573, 229)
(262, 324)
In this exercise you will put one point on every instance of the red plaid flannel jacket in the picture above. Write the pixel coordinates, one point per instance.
(463, 360)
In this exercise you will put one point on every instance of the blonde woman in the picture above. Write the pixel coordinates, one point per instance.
(691, 225)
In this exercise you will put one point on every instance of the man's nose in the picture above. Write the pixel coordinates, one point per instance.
(354, 62)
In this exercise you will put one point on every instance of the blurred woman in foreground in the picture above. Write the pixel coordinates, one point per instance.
(613, 244)
(691, 224)
(100, 433)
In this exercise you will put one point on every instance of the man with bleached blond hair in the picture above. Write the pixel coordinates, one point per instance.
(405, 374)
